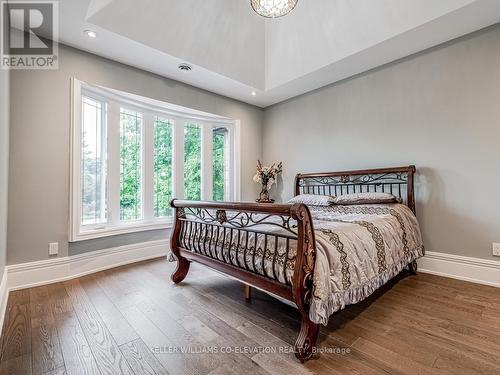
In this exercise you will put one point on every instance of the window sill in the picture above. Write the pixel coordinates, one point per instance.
(91, 234)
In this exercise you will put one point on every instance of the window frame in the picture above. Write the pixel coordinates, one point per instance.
(150, 109)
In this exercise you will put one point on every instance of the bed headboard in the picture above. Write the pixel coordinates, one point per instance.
(397, 181)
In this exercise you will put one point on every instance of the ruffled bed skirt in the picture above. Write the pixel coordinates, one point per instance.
(321, 310)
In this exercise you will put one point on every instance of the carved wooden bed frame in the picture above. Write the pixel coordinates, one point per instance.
(198, 224)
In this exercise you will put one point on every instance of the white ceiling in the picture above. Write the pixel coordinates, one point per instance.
(233, 51)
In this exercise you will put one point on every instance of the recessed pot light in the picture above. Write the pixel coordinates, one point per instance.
(90, 33)
(254, 93)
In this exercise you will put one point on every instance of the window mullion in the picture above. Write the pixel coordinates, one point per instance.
(178, 156)
(147, 166)
(206, 162)
(113, 164)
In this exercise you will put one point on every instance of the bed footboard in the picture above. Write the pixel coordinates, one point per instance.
(270, 247)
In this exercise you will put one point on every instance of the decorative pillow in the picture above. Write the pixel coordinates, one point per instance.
(365, 198)
(313, 200)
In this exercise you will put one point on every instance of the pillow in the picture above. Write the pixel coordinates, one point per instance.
(365, 198)
(313, 200)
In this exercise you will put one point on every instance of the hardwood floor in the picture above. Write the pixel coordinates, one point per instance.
(133, 320)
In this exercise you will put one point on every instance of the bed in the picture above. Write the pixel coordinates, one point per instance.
(319, 257)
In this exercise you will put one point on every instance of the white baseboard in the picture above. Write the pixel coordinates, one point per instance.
(19, 276)
(481, 271)
(25, 275)
(4, 293)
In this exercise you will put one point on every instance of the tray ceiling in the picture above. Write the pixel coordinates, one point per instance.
(233, 51)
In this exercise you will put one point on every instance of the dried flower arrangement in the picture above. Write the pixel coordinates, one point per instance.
(266, 176)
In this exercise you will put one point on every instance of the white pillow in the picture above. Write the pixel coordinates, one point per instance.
(365, 198)
(313, 200)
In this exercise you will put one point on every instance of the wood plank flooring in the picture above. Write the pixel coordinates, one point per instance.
(133, 320)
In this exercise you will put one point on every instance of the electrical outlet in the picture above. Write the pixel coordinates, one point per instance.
(496, 249)
(53, 248)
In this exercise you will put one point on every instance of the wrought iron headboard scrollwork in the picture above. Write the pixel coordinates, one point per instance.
(397, 181)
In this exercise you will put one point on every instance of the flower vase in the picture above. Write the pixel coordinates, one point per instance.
(264, 196)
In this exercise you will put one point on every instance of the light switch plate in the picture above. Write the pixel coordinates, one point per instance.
(53, 248)
(496, 249)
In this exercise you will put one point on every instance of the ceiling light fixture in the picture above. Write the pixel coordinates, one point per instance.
(254, 93)
(273, 8)
(90, 33)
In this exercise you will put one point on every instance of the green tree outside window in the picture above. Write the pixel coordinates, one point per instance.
(192, 162)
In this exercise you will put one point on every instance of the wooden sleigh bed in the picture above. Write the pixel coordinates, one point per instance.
(200, 227)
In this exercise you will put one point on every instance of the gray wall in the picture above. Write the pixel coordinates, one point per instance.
(439, 110)
(4, 164)
(40, 140)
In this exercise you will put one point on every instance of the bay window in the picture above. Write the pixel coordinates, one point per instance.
(93, 162)
(130, 165)
(132, 155)
(163, 167)
(192, 161)
(220, 149)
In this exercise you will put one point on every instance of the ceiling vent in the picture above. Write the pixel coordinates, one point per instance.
(185, 67)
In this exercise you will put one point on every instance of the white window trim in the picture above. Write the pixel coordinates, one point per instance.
(150, 108)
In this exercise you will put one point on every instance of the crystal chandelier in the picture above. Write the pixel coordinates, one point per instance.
(273, 8)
